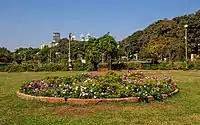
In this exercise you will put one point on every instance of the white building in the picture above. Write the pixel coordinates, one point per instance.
(85, 37)
(51, 44)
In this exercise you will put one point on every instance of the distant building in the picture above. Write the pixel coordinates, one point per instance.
(56, 38)
(85, 37)
(82, 37)
(73, 37)
(49, 45)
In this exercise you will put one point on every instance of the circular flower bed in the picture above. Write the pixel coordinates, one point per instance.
(95, 86)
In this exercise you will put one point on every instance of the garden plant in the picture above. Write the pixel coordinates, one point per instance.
(95, 86)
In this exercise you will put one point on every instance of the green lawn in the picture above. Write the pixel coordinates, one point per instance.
(181, 109)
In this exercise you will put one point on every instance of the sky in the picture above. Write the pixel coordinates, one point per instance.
(25, 23)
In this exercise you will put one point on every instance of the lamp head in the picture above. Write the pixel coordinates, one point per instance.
(185, 25)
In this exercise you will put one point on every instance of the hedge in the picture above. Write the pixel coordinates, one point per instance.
(78, 66)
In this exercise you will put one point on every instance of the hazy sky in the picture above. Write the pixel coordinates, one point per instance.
(25, 23)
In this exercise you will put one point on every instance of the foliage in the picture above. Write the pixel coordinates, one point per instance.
(99, 49)
(76, 49)
(93, 85)
(25, 54)
(79, 66)
(5, 55)
(160, 47)
(165, 38)
(14, 67)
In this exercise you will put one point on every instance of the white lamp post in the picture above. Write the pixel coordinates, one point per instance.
(69, 61)
(58, 54)
(198, 48)
(186, 59)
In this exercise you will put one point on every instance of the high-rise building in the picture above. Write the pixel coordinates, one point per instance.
(56, 37)
(54, 42)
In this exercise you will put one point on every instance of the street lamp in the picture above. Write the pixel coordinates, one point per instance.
(186, 59)
(198, 48)
(58, 54)
(69, 61)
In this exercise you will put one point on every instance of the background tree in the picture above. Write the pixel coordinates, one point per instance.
(5, 55)
(161, 47)
(76, 47)
(99, 48)
(170, 29)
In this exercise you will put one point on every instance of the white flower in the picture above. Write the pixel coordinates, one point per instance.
(95, 97)
(64, 91)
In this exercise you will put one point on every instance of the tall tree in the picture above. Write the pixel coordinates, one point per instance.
(97, 47)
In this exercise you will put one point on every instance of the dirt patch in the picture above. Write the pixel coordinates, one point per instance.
(64, 111)
(164, 105)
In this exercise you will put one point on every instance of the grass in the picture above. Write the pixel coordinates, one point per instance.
(180, 109)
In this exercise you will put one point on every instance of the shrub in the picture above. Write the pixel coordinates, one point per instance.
(118, 66)
(102, 65)
(14, 67)
(79, 66)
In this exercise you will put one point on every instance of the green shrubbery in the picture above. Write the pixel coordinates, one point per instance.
(34, 67)
(92, 85)
(78, 66)
(161, 66)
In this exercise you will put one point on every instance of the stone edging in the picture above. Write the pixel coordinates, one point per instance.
(86, 101)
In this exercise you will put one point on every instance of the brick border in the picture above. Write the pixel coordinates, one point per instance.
(77, 101)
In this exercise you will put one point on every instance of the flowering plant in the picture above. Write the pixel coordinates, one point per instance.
(92, 85)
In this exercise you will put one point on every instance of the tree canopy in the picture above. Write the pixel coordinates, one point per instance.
(161, 32)
(98, 49)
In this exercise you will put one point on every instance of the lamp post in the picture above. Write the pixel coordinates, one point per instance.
(186, 59)
(50, 54)
(39, 61)
(69, 61)
(198, 48)
(58, 54)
